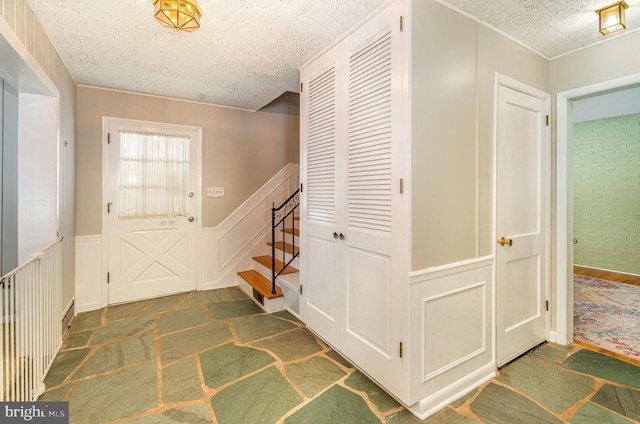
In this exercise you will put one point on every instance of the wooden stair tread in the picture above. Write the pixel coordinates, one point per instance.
(294, 231)
(266, 261)
(260, 284)
(288, 248)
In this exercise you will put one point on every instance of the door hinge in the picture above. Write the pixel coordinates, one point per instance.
(547, 119)
(108, 138)
(301, 87)
(108, 277)
(401, 186)
(301, 187)
(546, 305)
(300, 289)
(401, 349)
(401, 23)
(109, 207)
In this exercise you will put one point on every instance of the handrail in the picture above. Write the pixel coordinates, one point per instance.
(281, 213)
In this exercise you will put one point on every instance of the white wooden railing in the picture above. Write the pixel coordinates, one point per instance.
(31, 311)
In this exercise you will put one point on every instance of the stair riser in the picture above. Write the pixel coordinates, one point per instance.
(269, 305)
(287, 257)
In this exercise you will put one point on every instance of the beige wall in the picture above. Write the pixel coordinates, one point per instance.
(611, 59)
(453, 63)
(241, 150)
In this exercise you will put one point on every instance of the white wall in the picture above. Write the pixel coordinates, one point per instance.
(607, 105)
(37, 174)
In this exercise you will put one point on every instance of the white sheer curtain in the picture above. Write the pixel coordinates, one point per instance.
(154, 175)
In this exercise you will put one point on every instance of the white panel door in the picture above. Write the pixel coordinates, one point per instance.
(522, 222)
(371, 233)
(320, 307)
(149, 257)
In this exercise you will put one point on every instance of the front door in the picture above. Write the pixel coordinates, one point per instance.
(522, 221)
(151, 212)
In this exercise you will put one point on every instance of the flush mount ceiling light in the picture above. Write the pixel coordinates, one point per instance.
(612, 17)
(181, 15)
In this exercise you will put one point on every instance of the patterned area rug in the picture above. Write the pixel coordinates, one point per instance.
(607, 314)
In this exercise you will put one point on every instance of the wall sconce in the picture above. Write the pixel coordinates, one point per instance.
(612, 17)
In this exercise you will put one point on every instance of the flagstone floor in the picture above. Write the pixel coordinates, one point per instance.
(215, 357)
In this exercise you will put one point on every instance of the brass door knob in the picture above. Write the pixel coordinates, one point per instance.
(503, 241)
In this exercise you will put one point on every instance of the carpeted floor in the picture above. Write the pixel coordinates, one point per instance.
(607, 314)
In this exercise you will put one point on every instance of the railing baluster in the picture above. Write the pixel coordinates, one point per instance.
(289, 206)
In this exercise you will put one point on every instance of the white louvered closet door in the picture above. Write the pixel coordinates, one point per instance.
(320, 306)
(371, 199)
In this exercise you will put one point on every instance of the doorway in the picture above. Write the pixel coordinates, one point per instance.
(564, 203)
(151, 222)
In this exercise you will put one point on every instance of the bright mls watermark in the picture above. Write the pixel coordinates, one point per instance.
(34, 412)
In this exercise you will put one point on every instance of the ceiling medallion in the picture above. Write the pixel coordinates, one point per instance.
(181, 15)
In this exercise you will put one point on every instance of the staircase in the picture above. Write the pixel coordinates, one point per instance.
(273, 282)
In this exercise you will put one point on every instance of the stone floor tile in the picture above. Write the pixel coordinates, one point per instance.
(339, 359)
(336, 405)
(206, 297)
(113, 396)
(86, 321)
(237, 308)
(553, 387)
(236, 294)
(144, 307)
(551, 352)
(286, 315)
(63, 365)
(196, 414)
(183, 318)
(117, 355)
(445, 416)
(591, 413)
(458, 403)
(496, 404)
(261, 398)
(620, 399)
(178, 345)
(255, 327)
(226, 363)
(604, 366)
(120, 329)
(55, 395)
(313, 375)
(76, 340)
(180, 381)
(291, 345)
(379, 397)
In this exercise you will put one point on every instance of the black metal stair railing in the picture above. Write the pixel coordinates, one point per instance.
(279, 217)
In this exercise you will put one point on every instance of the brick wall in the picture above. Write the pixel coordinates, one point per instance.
(606, 175)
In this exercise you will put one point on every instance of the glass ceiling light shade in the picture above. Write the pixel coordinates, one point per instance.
(612, 17)
(181, 15)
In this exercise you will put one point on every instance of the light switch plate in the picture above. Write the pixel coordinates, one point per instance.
(215, 191)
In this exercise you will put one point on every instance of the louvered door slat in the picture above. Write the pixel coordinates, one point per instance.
(321, 175)
(369, 137)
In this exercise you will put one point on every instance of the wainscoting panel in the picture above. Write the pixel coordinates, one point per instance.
(452, 337)
(229, 247)
(89, 274)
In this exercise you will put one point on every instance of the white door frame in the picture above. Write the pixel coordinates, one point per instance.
(564, 201)
(106, 122)
(500, 79)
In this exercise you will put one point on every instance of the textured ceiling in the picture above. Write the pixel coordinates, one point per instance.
(550, 27)
(248, 52)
